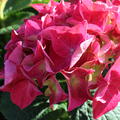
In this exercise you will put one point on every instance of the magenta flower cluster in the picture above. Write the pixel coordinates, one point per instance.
(79, 39)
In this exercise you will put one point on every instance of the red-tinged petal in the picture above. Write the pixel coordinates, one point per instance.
(28, 62)
(108, 101)
(80, 51)
(77, 87)
(102, 0)
(1, 74)
(91, 54)
(62, 7)
(40, 53)
(94, 29)
(88, 3)
(47, 21)
(55, 91)
(17, 54)
(96, 75)
(32, 29)
(74, 1)
(58, 62)
(14, 38)
(116, 2)
(105, 52)
(10, 72)
(115, 67)
(38, 72)
(23, 93)
(118, 24)
(65, 39)
(21, 31)
(106, 48)
(22, 90)
(36, 64)
(90, 10)
(108, 94)
(116, 52)
(39, 7)
(45, 8)
(67, 43)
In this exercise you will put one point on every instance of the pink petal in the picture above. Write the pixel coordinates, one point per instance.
(32, 29)
(54, 91)
(108, 101)
(1, 74)
(107, 96)
(68, 44)
(77, 87)
(39, 7)
(29, 90)
(17, 54)
(22, 90)
(10, 72)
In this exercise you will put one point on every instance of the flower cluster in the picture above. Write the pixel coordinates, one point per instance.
(80, 40)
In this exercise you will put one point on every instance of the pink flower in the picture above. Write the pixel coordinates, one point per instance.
(74, 38)
(66, 44)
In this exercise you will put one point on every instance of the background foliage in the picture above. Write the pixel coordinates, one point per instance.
(12, 15)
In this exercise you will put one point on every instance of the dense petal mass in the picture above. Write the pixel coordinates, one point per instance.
(45, 8)
(35, 64)
(67, 43)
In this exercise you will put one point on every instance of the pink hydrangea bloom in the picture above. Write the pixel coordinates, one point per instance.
(77, 39)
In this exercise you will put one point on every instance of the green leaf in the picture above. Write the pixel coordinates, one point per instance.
(82, 113)
(38, 110)
(40, 1)
(12, 112)
(16, 5)
(8, 29)
(112, 115)
(17, 17)
(85, 113)
(15, 20)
